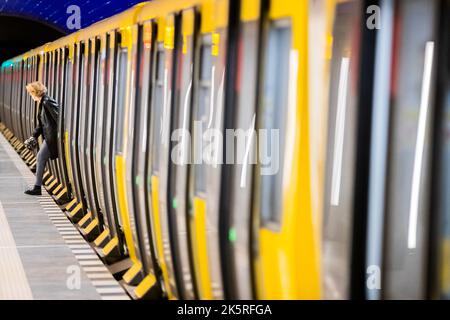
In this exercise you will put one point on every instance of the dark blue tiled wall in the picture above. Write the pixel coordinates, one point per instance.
(54, 12)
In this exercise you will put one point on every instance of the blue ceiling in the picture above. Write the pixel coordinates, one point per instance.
(54, 12)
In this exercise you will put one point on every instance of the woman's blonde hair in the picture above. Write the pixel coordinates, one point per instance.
(37, 89)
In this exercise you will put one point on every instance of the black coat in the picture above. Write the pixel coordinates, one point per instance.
(48, 113)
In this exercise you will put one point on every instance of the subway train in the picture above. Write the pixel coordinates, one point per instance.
(348, 199)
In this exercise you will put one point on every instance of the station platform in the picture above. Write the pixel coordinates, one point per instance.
(42, 254)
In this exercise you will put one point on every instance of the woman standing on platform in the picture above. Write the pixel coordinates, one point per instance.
(48, 110)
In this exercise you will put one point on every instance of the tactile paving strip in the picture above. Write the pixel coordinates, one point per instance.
(107, 287)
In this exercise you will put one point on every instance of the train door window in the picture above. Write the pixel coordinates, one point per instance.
(143, 94)
(51, 74)
(440, 287)
(443, 206)
(121, 97)
(157, 107)
(201, 113)
(341, 150)
(272, 117)
(69, 93)
(95, 97)
(48, 72)
(23, 98)
(54, 79)
(55, 74)
(58, 81)
(409, 151)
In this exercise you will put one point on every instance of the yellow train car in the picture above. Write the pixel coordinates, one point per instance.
(251, 149)
(167, 65)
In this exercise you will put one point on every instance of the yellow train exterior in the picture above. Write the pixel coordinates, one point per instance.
(229, 229)
(131, 203)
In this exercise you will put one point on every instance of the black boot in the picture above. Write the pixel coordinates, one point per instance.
(35, 191)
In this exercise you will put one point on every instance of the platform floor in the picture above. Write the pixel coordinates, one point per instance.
(42, 255)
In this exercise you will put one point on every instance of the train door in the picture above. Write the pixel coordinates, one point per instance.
(237, 200)
(83, 112)
(57, 89)
(135, 241)
(99, 136)
(5, 95)
(178, 151)
(68, 117)
(439, 268)
(110, 110)
(9, 97)
(22, 94)
(38, 73)
(143, 274)
(30, 119)
(94, 228)
(28, 105)
(74, 134)
(51, 84)
(120, 135)
(408, 179)
(340, 186)
(207, 126)
(11, 104)
(62, 124)
(19, 101)
(159, 121)
(13, 99)
(14, 105)
(284, 240)
(57, 97)
(25, 100)
(12, 108)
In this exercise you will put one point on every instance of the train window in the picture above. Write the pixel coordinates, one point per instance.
(272, 115)
(341, 150)
(95, 94)
(443, 199)
(158, 107)
(202, 114)
(121, 98)
(143, 86)
(410, 151)
(54, 73)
